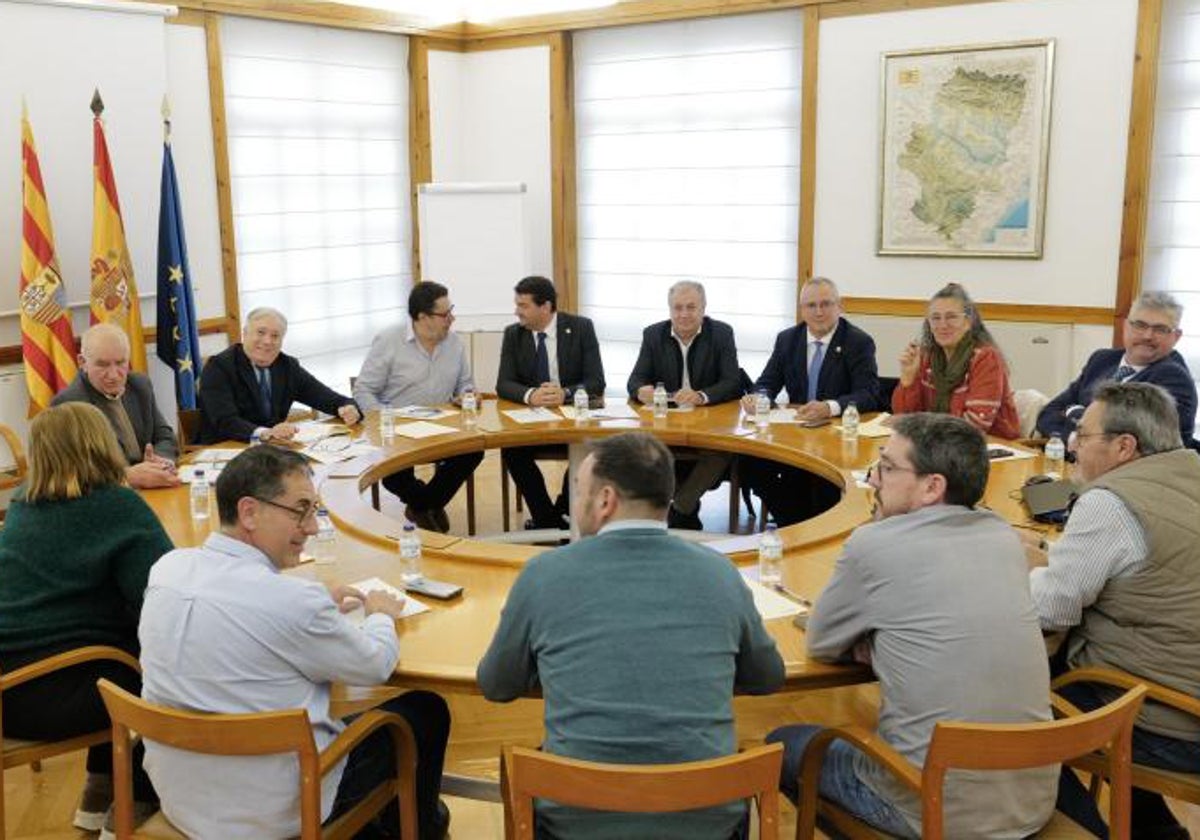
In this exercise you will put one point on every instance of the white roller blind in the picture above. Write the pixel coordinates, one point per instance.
(688, 152)
(318, 154)
(1172, 256)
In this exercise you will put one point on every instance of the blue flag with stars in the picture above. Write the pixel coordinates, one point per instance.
(178, 335)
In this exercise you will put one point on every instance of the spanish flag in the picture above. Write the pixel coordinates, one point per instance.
(114, 292)
(47, 343)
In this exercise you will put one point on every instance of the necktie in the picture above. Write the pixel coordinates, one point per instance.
(541, 361)
(1123, 373)
(814, 369)
(264, 391)
(123, 426)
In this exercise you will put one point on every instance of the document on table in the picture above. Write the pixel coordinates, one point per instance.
(422, 412)
(330, 450)
(541, 414)
(615, 411)
(214, 456)
(311, 431)
(411, 605)
(1009, 453)
(875, 428)
(423, 429)
(769, 603)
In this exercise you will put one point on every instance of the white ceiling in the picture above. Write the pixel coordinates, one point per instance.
(438, 12)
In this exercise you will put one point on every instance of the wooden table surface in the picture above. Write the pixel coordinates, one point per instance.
(440, 648)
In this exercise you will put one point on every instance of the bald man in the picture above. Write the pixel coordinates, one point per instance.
(127, 400)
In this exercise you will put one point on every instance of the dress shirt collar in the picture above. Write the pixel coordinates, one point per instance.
(224, 544)
(687, 343)
(551, 329)
(633, 525)
(1126, 363)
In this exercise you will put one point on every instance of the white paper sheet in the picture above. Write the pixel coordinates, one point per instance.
(411, 605)
(769, 603)
(532, 415)
(311, 431)
(423, 429)
(422, 412)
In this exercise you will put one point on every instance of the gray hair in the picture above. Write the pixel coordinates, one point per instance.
(950, 447)
(1160, 302)
(685, 285)
(822, 281)
(1142, 410)
(97, 332)
(262, 311)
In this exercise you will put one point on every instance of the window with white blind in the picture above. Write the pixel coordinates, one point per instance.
(318, 155)
(688, 153)
(1172, 254)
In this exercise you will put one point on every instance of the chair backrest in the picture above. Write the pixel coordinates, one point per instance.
(261, 733)
(640, 788)
(1029, 403)
(189, 426)
(13, 477)
(976, 746)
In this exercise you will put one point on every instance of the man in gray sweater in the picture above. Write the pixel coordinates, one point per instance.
(638, 640)
(935, 595)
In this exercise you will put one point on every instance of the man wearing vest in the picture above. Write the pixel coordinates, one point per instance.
(1125, 576)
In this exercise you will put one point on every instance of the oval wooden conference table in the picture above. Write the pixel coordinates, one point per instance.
(441, 648)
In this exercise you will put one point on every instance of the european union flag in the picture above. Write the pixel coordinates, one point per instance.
(178, 337)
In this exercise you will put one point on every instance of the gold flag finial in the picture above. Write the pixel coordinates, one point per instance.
(97, 103)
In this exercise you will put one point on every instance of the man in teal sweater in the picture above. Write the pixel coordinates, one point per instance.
(637, 639)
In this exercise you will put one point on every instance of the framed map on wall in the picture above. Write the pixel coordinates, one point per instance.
(965, 137)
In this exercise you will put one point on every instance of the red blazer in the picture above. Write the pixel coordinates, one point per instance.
(984, 398)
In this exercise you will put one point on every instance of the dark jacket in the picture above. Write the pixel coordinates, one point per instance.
(1170, 373)
(848, 374)
(229, 396)
(712, 361)
(578, 359)
(138, 399)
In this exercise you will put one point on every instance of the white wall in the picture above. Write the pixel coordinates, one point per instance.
(1090, 117)
(489, 116)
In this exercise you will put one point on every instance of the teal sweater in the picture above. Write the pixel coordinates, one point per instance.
(73, 572)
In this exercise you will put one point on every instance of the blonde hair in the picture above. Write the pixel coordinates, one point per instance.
(72, 451)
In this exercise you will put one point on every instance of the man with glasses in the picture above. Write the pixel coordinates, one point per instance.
(934, 595)
(1125, 576)
(1151, 332)
(223, 630)
(695, 357)
(826, 363)
(421, 362)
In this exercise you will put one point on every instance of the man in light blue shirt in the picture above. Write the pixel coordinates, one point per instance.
(223, 631)
(421, 362)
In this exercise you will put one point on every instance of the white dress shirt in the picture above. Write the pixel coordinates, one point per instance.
(223, 631)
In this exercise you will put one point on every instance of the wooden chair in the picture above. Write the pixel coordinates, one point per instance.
(641, 788)
(979, 746)
(1183, 786)
(19, 752)
(263, 733)
(189, 429)
(16, 474)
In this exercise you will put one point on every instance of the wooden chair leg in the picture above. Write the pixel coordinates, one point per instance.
(735, 506)
(471, 505)
(375, 495)
(504, 490)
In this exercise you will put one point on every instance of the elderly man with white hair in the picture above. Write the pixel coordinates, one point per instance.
(248, 389)
(127, 401)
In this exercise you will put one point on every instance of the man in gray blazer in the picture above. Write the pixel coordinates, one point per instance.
(637, 640)
(127, 400)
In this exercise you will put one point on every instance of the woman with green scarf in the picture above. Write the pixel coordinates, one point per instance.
(957, 368)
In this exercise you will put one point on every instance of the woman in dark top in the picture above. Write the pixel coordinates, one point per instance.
(75, 552)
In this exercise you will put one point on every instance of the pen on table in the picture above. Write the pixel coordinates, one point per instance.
(794, 596)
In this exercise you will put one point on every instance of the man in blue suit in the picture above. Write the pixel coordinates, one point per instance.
(826, 363)
(1151, 332)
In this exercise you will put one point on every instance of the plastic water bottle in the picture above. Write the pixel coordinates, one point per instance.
(762, 410)
(1056, 453)
(199, 495)
(387, 424)
(660, 400)
(583, 412)
(850, 422)
(470, 407)
(410, 554)
(770, 557)
(324, 542)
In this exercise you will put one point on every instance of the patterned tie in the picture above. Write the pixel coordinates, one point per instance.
(541, 361)
(1123, 373)
(264, 391)
(814, 369)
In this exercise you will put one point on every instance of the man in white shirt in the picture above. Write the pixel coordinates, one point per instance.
(222, 630)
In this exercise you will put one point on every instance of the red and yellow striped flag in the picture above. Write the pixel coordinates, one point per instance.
(47, 343)
(114, 292)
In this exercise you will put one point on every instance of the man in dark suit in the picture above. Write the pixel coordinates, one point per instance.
(544, 358)
(127, 400)
(695, 358)
(1149, 355)
(248, 389)
(826, 363)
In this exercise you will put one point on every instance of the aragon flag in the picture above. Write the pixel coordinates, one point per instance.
(47, 342)
(114, 292)
(178, 336)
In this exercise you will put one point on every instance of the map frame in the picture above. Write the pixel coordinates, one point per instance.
(1030, 144)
